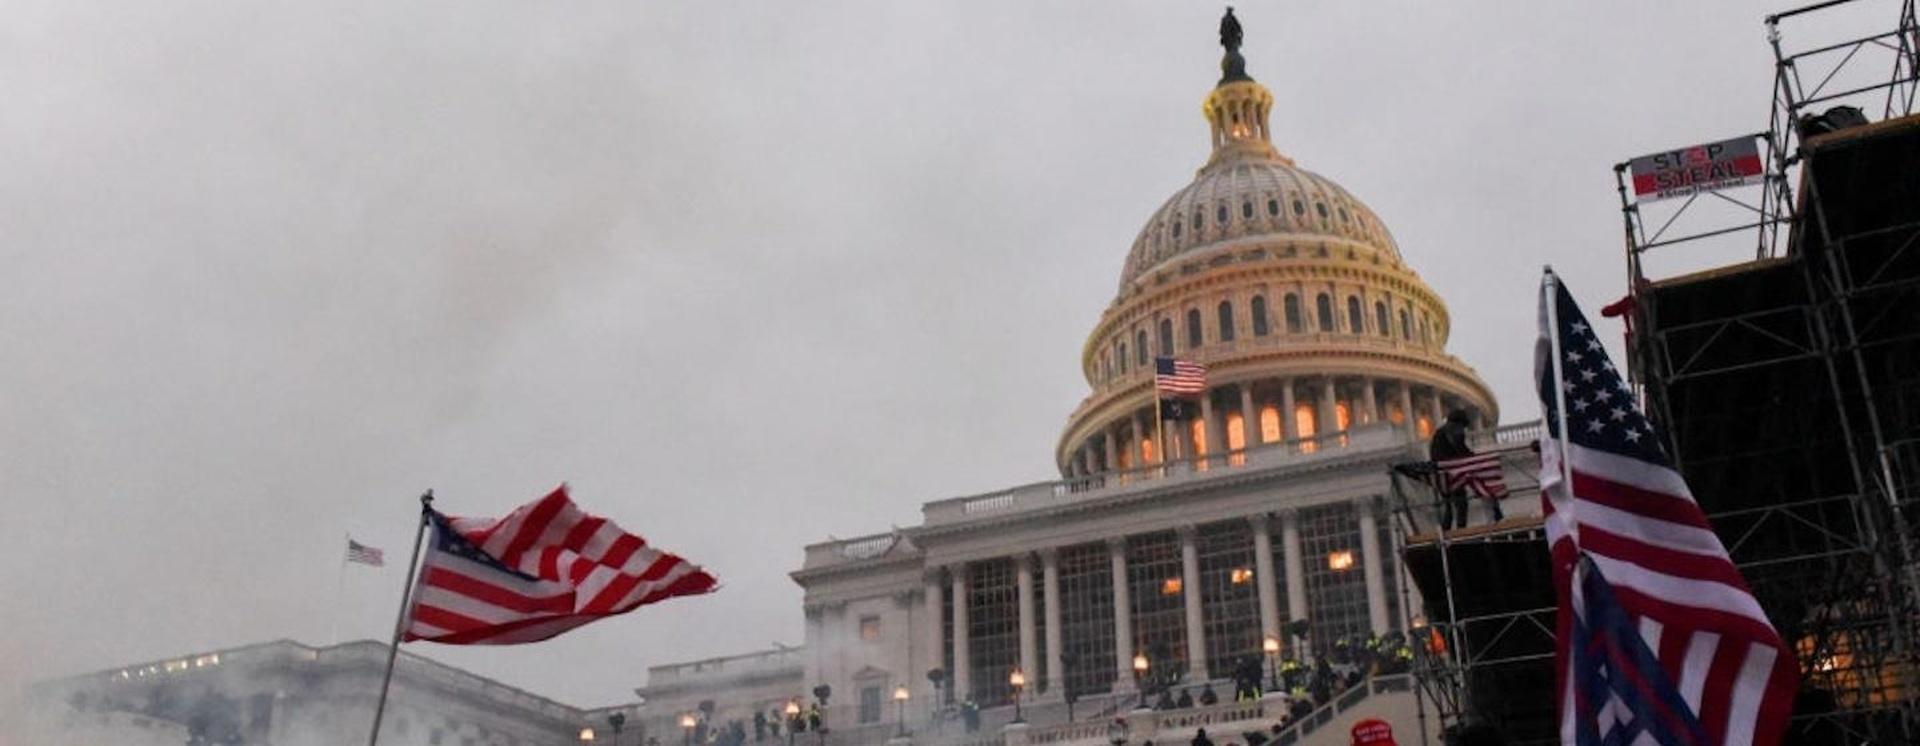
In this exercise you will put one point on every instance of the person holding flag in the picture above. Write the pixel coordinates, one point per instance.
(1660, 640)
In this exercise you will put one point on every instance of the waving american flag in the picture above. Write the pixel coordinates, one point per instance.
(546, 568)
(1660, 640)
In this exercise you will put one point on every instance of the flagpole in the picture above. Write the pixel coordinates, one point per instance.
(400, 624)
(339, 589)
(1159, 431)
(1552, 301)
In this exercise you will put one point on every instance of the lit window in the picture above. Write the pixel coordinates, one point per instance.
(1240, 575)
(1270, 424)
(1303, 424)
(869, 628)
(1170, 587)
(1146, 451)
(1423, 426)
(1342, 416)
(1199, 433)
(1340, 560)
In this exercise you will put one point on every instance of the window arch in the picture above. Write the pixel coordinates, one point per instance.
(1406, 325)
(1356, 319)
(1194, 337)
(1166, 337)
(1380, 318)
(1121, 356)
(1140, 347)
(1292, 304)
(1259, 315)
(1323, 305)
(1226, 321)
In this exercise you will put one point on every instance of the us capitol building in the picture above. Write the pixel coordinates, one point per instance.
(1327, 363)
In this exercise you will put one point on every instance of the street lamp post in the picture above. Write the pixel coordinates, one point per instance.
(1140, 666)
(1018, 680)
(617, 720)
(686, 724)
(1271, 646)
(793, 718)
(900, 696)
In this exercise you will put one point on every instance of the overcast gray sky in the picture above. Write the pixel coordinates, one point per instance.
(745, 274)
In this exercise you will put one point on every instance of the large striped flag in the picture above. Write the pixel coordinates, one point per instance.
(1660, 641)
(546, 568)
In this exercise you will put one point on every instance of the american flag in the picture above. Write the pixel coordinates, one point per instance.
(1479, 475)
(546, 568)
(1179, 377)
(363, 554)
(1660, 640)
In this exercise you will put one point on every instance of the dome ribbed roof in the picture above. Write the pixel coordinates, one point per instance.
(1252, 196)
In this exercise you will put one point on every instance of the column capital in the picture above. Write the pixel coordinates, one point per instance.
(1187, 531)
(1367, 503)
(1288, 514)
(1117, 544)
(934, 575)
(1262, 523)
(1049, 556)
(1023, 561)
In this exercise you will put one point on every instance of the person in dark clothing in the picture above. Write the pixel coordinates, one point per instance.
(1450, 442)
(1207, 697)
(1201, 739)
(1186, 699)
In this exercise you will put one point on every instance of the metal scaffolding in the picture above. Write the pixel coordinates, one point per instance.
(1788, 384)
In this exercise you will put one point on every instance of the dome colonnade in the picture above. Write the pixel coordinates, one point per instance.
(1293, 294)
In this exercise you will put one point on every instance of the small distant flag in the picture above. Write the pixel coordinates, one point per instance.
(546, 568)
(1179, 377)
(1478, 475)
(366, 555)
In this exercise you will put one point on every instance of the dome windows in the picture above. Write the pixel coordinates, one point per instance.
(1323, 306)
(1299, 208)
(1380, 318)
(1166, 337)
(1292, 310)
(1260, 316)
(1406, 325)
(1120, 358)
(1343, 214)
(1356, 320)
(1140, 347)
(1320, 207)
(1176, 229)
(1194, 337)
(1273, 208)
(1246, 210)
(1220, 215)
(1226, 321)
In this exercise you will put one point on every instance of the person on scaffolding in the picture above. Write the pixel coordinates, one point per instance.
(1449, 443)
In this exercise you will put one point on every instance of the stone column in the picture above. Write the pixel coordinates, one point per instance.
(1108, 450)
(1406, 408)
(962, 674)
(1029, 624)
(1369, 407)
(1249, 417)
(1190, 593)
(1371, 565)
(1264, 577)
(1050, 596)
(1296, 574)
(935, 592)
(1216, 435)
(1122, 617)
(1439, 410)
(1289, 427)
(1329, 421)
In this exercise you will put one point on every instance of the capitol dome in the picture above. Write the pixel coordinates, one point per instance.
(1291, 292)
